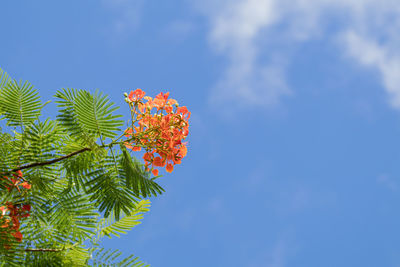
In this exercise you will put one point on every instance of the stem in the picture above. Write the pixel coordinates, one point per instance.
(43, 250)
(113, 142)
(44, 163)
(36, 164)
(115, 161)
(50, 249)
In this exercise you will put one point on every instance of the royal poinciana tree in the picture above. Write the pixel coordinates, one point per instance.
(67, 183)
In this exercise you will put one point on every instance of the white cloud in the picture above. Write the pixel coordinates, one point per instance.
(251, 84)
(368, 52)
(235, 28)
(241, 22)
(246, 31)
(127, 14)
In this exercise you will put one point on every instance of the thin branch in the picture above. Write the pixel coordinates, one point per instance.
(36, 164)
(43, 250)
(50, 249)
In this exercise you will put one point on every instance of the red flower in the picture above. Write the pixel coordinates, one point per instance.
(136, 95)
(18, 236)
(169, 167)
(26, 185)
(128, 132)
(10, 213)
(161, 133)
(158, 162)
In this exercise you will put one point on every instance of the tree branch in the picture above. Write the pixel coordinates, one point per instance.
(50, 249)
(43, 250)
(36, 164)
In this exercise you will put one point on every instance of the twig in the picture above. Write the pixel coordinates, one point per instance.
(36, 164)
(43, 250)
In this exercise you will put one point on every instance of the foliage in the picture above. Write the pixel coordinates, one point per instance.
(68, 182)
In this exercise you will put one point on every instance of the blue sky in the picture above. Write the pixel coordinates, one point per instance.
(294, 155)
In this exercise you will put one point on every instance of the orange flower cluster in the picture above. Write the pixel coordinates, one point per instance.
(10, 217)
(160, 133)
(11, 214)
(17, 181)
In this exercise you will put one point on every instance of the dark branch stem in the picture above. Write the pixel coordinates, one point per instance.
(36, 164)
(43, 250)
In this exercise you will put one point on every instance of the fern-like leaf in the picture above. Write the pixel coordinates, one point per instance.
(4, 78)
(73, 215)
(137, 179)
(110, 226)
(108, 191)
(19, 103)
(111, 257)
(87, 114)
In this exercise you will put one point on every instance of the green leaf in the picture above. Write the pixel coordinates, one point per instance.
(110, 257)
(136, 178)
(73, 215)
(19, 103)
(86, 114)
(42, 139)
(110, 226)
(4, 78)
(108, 191)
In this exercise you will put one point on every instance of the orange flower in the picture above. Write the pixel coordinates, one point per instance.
(18, 236)
(168, 109)
(136, 95)
(148, 156)
(14, 212)
(183, 150)
(172, 102)
(155, 172)
(139, 93)
(26, 185)
(127, 145)
(161, 100)
(3, 210)
(160, 134)
(158, 162)
(169, 167)
(128, 132)
(177, 161)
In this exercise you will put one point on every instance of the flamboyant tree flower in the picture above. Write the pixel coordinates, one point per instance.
(11, 213)
(17, 181)
(159, 126)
